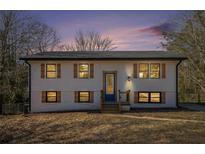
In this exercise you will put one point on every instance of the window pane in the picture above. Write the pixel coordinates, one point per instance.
(154, 67)
(143, 97)
(83, 71)
(143, 75)
(155, 97)
(109, 83)
(51, 96)
(143, 71)
(51, 74)
(51, 71)
(154, 75)
(51, 67)
(83, 74)
(155, 94)
(143, 94)
(144, 67)
(84, 96)
(154, 70)
(155, 100)
(83, 67)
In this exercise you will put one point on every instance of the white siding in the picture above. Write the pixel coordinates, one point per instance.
(67, 84)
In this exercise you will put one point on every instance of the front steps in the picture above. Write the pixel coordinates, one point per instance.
(110, 108)
(114, 107)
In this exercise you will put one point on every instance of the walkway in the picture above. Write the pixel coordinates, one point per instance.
(155, 118)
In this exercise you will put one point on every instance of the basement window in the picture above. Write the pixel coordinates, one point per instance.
(143, 97)
(84, 96)
(149, 97)
(51, 96)
(155, 97)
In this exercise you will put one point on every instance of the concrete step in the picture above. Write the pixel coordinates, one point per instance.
(110, 108)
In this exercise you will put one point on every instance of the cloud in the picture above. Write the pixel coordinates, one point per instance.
(135, 38)
(158, 29)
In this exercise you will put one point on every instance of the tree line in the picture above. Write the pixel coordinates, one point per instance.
(189, 39)
(20, 35)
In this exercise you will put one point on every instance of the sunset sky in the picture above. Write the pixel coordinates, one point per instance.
(130, 30)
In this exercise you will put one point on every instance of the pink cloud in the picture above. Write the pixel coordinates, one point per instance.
(158, 29)
(135, 38)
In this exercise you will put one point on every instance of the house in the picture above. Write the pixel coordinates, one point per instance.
(82, 80)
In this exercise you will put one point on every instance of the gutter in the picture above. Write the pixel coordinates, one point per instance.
(177, 80)
(29, 83)
(104, 59)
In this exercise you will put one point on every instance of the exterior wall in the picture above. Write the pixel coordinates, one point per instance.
(67, 84)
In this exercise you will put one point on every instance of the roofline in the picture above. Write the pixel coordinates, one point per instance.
(106, 59)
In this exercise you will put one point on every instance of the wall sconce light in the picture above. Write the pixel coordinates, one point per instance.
(129, 78)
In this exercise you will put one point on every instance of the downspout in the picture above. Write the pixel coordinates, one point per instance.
(177, 80)
(29, 84)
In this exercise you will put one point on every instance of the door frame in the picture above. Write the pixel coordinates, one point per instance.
(115, 82)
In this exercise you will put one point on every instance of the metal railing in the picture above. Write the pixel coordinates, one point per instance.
(102, 100)
(126, 95)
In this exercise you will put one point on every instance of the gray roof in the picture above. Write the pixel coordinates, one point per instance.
(104, 55)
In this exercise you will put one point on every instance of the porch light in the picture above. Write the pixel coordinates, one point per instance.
(129, 78)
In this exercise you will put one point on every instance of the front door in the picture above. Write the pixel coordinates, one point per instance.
(110, 86)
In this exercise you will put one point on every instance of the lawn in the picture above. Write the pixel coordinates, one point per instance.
(172, 126)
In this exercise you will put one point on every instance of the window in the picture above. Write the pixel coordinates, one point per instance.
(109, 81)
(149, 97)
(143, 97)
(155, 97)
(51, 96)
(51, 71)
(151, 71)
(83, 70)
(154, 71)
(143, 71)
(84, 96)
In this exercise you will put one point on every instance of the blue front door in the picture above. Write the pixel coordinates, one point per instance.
(109, 87)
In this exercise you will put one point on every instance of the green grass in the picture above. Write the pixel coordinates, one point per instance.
(174, 126)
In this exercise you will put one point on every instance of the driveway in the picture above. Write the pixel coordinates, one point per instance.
(196, 107)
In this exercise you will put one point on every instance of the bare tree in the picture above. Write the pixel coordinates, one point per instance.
(19, 35)
(40, 38)
(190, 41)
(89, 41)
